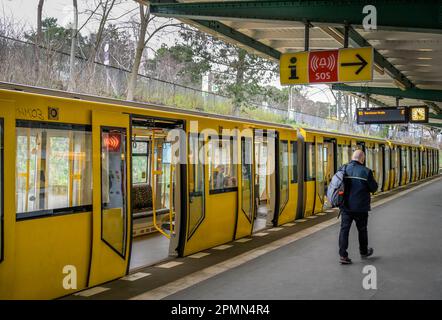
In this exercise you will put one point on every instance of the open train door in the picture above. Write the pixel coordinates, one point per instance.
(320, 185)
(246, 199)
(111, 196)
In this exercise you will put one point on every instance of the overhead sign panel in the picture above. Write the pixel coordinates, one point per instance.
(327, 66)
(404, 114)
(382, 115)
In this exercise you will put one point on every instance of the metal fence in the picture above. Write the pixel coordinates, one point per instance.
(17, 65)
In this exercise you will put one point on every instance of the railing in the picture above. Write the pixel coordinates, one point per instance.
(17, 64)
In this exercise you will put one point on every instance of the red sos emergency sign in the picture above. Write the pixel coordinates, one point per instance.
(323, 66)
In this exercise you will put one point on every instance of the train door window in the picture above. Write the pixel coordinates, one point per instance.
(368, 158)
(386, 162)
(1, 190)
(325, 159)
(393, 158)
(418, 163)
(113, 188)
(432, 162)
(283, 174)
(339, 156)
(294, 161)
(320, 164)
(222, 164)
(53, 169)
(320, 171)
(430, 165)
(329, 161)
(140, 161)
(246, 177)
(346, 154)
(196, 182)
(404, 163)
(310, 161)
(377, 163)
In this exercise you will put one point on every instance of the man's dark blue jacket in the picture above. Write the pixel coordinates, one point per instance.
(358, 183)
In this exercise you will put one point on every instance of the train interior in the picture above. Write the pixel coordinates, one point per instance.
(154, 191)
(264, 188)
(329, 161)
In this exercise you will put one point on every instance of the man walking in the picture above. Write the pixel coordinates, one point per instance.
(359, 183)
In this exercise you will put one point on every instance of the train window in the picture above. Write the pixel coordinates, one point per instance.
(1, 190)
(310, 161)
(294, 161)
(386, 162)
(320, 168)
(369, 158)
(140, 161)
(247, 179)
(283, 174)
(113, 188)
(196, 182)
(53, 169)
(339, 156)
(346, 154)
(222, 162)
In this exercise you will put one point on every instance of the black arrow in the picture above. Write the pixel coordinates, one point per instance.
(362, 63)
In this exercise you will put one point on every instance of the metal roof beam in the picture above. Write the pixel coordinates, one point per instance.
(238, 37)
(434, 106)
(435, 116)
(405, 15)
(412, 93)
(222, 29)
(376, 102)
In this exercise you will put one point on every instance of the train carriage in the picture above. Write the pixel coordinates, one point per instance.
(87, 176)
(105, 187)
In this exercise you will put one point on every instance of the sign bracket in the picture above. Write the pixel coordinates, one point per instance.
(307, 35)
(346, 31)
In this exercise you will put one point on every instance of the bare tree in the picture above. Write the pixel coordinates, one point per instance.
(145, 22)
(38, 39)
(106, 8)
(73, 46)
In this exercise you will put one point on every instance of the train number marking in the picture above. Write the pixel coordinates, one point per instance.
(29, 113)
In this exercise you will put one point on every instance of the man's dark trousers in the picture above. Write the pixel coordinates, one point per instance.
(361, 219)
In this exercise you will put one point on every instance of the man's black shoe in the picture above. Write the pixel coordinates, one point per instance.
(345, 260)
(369, 253)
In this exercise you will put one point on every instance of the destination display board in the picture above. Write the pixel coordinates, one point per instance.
(382, 115)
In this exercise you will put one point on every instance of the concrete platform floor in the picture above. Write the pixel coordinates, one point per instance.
(406, 234)
(300, 260)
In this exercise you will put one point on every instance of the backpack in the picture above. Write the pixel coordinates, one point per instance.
(335, 190)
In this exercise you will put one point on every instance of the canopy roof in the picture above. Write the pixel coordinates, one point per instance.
(407, 42)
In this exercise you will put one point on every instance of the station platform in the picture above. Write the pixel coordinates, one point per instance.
(300, 260)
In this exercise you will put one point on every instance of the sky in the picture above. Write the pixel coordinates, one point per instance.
(25, 13)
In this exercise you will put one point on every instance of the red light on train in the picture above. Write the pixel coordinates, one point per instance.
(112, 142)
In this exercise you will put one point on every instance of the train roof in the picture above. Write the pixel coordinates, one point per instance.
(133, 104)
(361, 137)
(159, 107)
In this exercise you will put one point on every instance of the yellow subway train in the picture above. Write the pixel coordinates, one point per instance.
(99, 188)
